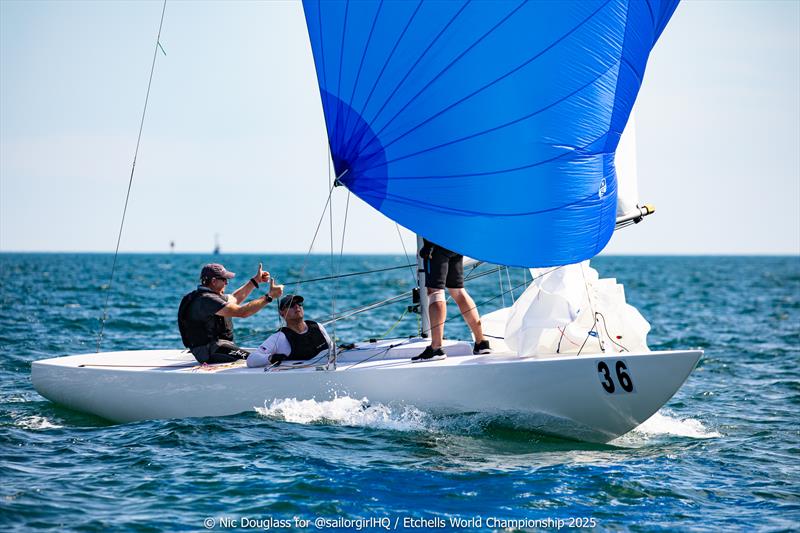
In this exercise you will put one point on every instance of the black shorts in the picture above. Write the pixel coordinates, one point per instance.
(444, 269)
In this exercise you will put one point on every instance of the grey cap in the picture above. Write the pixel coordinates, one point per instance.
(215, 270)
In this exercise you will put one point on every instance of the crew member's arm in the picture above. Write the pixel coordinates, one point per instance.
(244, 291)
(234, 310)
(275, 343)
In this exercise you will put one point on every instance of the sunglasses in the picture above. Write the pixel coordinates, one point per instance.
(224, 280)
(294, 304)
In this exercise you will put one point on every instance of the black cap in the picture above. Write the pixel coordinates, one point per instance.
(289, 300)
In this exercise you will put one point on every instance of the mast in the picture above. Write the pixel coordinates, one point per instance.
(425, 323)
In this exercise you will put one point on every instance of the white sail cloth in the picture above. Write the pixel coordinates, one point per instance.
(627, 175)
(556, 314)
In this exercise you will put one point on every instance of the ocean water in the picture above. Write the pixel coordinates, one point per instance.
(723, 454)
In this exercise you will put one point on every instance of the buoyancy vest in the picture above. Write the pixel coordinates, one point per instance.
(305, 345)
(200, 332)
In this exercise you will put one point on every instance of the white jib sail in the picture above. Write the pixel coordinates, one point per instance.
(627, 176)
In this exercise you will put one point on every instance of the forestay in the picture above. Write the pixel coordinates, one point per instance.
(488, 127)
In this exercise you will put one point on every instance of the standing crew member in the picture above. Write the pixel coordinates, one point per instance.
(204, 315)
(445, 268)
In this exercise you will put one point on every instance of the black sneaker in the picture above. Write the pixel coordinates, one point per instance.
(429, 355)
(482, 348)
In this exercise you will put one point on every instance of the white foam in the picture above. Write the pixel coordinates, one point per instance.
(35, 422)
(662, 423)
(347, 411)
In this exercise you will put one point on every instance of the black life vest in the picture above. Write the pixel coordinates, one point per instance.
(200, 332)
(305, 345)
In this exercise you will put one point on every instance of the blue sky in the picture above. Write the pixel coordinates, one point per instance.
(234, 144)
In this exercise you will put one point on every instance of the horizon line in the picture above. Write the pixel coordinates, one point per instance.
(400, 253)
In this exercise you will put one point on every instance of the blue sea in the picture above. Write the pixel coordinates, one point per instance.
(723, 454)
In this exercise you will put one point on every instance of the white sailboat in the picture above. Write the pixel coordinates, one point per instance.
(570, 356)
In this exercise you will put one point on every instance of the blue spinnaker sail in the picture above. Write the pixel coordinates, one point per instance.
(487, 127)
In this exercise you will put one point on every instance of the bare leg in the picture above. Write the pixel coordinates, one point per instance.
(469, 311)
(437, 312)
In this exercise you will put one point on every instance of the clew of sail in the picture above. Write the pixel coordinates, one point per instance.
(488, 127)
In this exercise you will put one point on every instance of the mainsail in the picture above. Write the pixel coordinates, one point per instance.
(488, 127)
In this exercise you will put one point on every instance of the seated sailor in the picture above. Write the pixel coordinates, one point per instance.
(299, 340)
(204, 315)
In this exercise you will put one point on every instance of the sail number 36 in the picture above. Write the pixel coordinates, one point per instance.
(623, 379)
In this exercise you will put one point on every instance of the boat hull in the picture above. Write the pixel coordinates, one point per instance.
(564, 396)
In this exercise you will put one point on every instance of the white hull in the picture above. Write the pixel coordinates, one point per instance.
(561, 396)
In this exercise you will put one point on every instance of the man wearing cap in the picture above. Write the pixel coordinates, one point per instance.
(204, 316)
(299, 340)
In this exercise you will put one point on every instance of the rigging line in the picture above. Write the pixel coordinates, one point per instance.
(408, 259)
(360, 309)
(500, 274)
(395, 324)
(130, 180)
(470, 276)
(594, 316)
(545, 50)
(499, 295)
(379, 353)
(582, 345)
(508, 277)
(624, 224)
(316, 232)
(338, 268)
(441, 73)
(331, 183)
(349, 274)
(605, 327)
(189, 365)
(369, 307)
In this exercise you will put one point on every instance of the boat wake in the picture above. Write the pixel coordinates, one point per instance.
(347, 411)
(663, 424)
